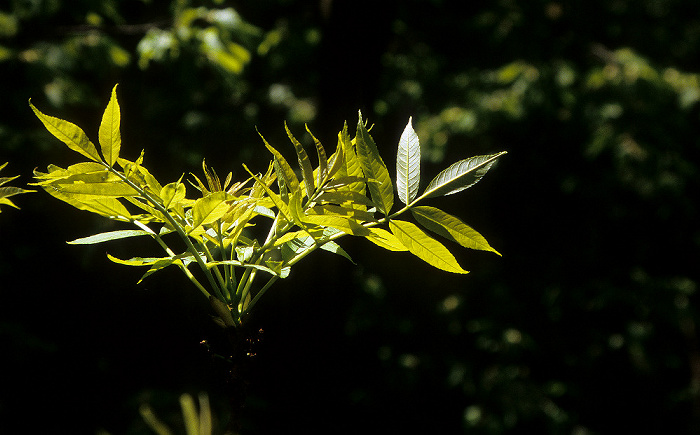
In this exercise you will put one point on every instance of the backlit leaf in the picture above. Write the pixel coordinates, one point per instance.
(408, 165)
(109, 135)
(286, 171)
(322, 159)
(336, 249)
(451, 227)
(208, 209)
(172, 193)
(307, 171)
(385, 239)
(425, 247)
(460, 175)
(106, 237)
(70, 134)
(382, 192)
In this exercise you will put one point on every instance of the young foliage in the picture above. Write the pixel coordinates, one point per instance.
(7, 191)
(349, 193)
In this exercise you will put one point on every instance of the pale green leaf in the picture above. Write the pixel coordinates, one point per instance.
(425, 247)
(70, 134)
(460, 175)
(450, 227)
(107, 236)
(109, 136)
(408, 165)
(382, 192)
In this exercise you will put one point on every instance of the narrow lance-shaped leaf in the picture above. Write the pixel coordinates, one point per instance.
(408, 165)
(460, 175)
(382, 192)
(322, 159)
(110, 235)
(68, 133)
(425, 247)
(286, 171)
(307, 171)
(451, 227)
(109, 135)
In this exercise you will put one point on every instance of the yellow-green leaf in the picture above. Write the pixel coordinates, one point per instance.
(109, 135)
(322, 171)
(208, 209)
(451, 227)
(287, 173)
(109, 188)
(425, 247)
(307, 171)
(70, 134)
(344, 224)
(385, 239)
(382, 192)
(172, 194)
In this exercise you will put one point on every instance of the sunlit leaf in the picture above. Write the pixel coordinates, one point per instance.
(81, 190)
(349, 164)
(109, 135)
(286, 171)
(385, 239)
(460, 175)
(343, 196)
(70, 134)
(172, 193)
(450, 227)
(336, 249)
(373, 166)
(277, 201)
(344, 224)
(106, 237)
(307, 171)
(408, 165)
(208, 209)
(425, 247)
(322, 159)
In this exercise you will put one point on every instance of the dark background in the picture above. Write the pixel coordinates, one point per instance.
(587, 324)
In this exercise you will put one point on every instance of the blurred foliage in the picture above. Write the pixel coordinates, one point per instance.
(587, 324)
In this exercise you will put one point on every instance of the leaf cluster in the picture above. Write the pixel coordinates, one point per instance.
(348, 192)
(7, 191)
